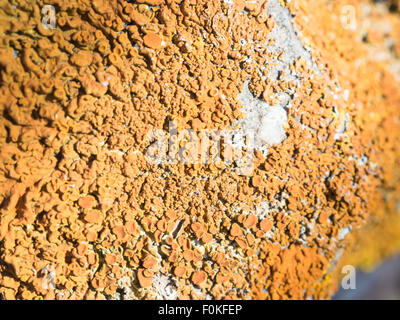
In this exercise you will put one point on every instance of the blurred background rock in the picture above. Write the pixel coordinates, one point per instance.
(381, 284)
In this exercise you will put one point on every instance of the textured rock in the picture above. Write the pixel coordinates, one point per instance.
(300, 101)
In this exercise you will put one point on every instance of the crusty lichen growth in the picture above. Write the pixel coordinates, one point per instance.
(78, 194)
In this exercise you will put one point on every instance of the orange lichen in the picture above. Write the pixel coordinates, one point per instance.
(235, 230)
(145, 277)
(87, 202)
(188, 255)
(78, 194)
(250, 221)
(266, 225)
(152, 40)
(179, 271)
(120, 232)
(93, 216)
(110, 259)
(149, 262)
(199, 277)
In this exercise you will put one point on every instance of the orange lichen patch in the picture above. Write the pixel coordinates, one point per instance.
(179, 271)
(78, 192)
(235, 230)
(265, 225)
(149, 262)
(97, 283)
(91, 236)
(207, 238)
(241, 242)
(197, 124)
(93, 216)
(173, 256)
(92, 258)
(250, 221)
(82, 58)
(87, 202)
(171, 214)
(250, 239)
(145, 277)
(199, 277)
(120, 232)
(110, 258)
(256, 181)
(151, 2)
(188, 255)
(198, 229)
(82, 249)
(152, 40)
(131, 227)
(197, 255)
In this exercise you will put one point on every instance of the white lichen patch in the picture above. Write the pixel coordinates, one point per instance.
(285, 41)
(265, 122)
(165, 287)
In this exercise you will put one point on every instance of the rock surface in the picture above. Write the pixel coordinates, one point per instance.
(108, 191)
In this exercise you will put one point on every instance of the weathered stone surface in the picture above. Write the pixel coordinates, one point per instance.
(93, 207)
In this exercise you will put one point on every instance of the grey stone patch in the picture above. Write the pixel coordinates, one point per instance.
(267, 122)
(165, 287)
(286, 41)
(343, 232)
(262, 120)
(342, 128)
